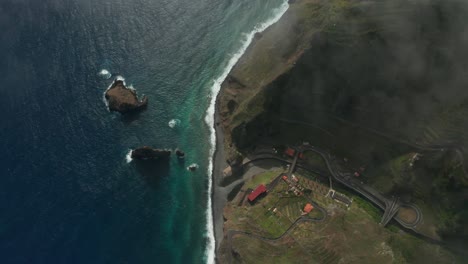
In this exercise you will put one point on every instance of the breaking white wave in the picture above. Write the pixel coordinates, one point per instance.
(193, 165)
(131, 87)
(210, 120)
(105, 74)
(128, 157)
(174, 123)
(117, 78)
(120, 78)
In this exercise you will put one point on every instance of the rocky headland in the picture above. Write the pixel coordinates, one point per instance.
(124, 100)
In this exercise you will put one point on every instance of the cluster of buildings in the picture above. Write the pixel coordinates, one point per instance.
(294, 185)
(290, 152)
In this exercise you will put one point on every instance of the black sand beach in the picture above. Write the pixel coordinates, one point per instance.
(219, 196)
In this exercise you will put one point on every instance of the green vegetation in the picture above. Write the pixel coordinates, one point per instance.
(376, 82)
(278, 210)
(374, 212)
(272, 224)
(446, 174)
(314, 159)
(409, 249)
(392, 174)
(353, 235)
(263, 178)
(307, 174)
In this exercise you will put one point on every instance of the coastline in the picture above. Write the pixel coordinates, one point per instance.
(218, 193)
(231, 89)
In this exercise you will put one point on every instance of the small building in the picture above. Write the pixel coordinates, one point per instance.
(257, 192)
(294, 178)
(341, 198)
(290, 152)
(308, 208)
(301, 155)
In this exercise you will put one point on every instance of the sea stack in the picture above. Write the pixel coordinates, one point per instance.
(124, 100)
(148, 153)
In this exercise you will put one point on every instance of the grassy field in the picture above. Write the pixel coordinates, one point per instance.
(275, 212)
(347, 235)
(315, 160)
(263, 178)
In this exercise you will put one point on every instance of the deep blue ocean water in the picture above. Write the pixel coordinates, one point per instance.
(67, 194)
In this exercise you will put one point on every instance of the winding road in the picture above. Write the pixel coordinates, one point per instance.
(389, 206)
(301, 219)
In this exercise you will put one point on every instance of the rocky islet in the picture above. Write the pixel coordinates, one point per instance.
(123, 99)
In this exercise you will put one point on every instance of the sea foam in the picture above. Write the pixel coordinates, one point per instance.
(117, 78)
(193, 165)
(210, 118)
(131, 87)
(105, 74)
(128, 157)
(174, 123)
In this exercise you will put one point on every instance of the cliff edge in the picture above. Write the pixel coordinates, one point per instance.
(376, 83)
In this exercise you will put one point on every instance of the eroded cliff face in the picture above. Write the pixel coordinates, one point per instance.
(272, 54)
(374, 81)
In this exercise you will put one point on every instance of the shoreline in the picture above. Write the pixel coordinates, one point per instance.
(218, 193)
(219, 196)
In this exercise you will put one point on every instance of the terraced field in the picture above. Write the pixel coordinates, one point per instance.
(348, 235)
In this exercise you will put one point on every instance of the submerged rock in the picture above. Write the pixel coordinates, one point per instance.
(192, 167)
(180, 154)
(146, 153)
(124, 100)
(174, 123)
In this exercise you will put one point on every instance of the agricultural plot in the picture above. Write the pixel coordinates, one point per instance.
(291, 207)
(314, 186)
(273, 223)
(346, 236)
(262, 178)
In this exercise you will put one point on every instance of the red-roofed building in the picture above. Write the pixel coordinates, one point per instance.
(257, 192)
(308, 207)
(290, 152)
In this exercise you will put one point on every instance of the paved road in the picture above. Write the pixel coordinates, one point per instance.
(299, 220)
(270, 156)
(369, 193)
(348, 180)
(293, 165)
(392, 208)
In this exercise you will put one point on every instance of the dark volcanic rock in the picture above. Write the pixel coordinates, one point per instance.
(192, 167)
(180, 154)
(146, 153)
(124, 100)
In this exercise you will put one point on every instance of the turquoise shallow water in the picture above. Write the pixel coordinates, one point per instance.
(67, 194)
